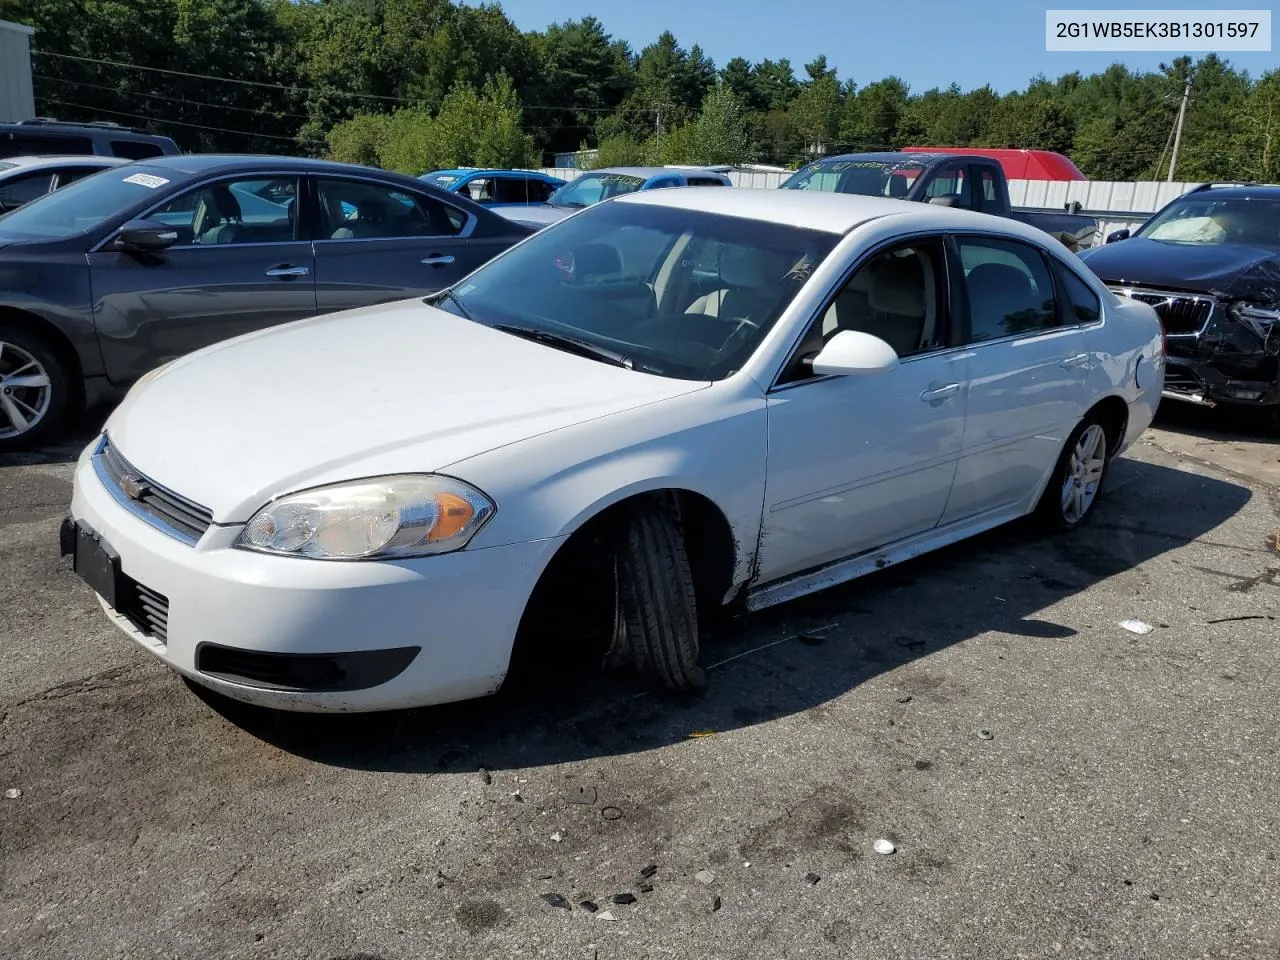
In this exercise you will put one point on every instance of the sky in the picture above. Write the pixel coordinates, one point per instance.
(927, 43)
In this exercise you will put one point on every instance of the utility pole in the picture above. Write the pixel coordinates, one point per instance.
(1177, 135)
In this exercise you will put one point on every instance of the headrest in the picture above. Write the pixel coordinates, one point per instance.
(225, 202)
(898, 286)
(987, 279)
(898, 187)
(371, 209)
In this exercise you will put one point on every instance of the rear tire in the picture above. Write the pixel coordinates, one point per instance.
(1076, 483)
(36, 391)
(657, 608)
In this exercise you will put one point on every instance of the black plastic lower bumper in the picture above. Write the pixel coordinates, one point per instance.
(1199, 382)
(304, 672)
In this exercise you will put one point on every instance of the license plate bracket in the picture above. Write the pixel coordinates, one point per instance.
(94, 561)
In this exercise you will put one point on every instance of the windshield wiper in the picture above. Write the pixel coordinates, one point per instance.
(568, 344)
(448, 294)
(570, 204)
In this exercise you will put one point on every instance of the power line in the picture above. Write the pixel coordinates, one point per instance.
(156, 96)
(178, 123)
(323, 91)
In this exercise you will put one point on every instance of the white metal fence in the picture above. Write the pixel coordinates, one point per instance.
(1115, 204)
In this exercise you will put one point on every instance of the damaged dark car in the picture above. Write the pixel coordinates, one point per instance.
(1209, 263)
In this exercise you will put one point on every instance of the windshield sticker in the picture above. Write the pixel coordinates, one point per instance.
(146, 180)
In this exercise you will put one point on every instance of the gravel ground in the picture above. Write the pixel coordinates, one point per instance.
(1054, 784)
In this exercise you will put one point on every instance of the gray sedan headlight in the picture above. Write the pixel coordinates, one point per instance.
(382, 518)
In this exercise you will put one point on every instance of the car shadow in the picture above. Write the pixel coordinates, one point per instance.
(1216, 423)
(788, 659)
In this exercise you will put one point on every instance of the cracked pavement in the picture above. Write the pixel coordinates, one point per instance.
(1126, 803)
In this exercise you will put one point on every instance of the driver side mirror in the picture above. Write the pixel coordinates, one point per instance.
(852, 353)
(145, 235)
(1116, 235)
(943, 201)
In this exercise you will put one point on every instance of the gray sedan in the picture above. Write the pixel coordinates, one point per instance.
(112, 276)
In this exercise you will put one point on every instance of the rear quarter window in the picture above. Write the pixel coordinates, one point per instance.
(135, 149)
(1083, 305)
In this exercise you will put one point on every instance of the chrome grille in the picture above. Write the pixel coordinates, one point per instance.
(157, 505)
(1183, 314)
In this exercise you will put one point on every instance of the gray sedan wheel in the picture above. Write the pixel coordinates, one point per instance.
(34, 389)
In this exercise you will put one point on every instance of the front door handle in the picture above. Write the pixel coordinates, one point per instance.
(935, 394)
(288, 272)
(1079, 360)
(436, 260)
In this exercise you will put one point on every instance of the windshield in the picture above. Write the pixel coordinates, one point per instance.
(83, 205)
(1207, 221)
(871, 178)
(594, 187)
(674, 292)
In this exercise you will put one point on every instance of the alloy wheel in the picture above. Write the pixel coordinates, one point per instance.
(25, 391)
(1084, 474)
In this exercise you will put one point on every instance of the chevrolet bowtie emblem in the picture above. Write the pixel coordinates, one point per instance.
(133, 487)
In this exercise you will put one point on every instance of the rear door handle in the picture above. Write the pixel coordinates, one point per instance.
(940, 393)
(287, 271)
(1079, 360)
(436, 260)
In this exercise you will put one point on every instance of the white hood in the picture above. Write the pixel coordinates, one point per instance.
(395, 388)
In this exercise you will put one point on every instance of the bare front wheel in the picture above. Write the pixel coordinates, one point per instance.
(33, 389)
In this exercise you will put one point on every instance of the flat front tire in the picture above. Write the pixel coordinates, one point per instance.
(1073, 491)
(657, 607)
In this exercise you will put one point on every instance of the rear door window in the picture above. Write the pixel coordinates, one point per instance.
(1010, 290)
(512, 190)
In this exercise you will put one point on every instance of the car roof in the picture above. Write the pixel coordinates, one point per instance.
(1241, 191)
(897, 156)
(646, 173)
(71, 159)
(819, 210)
(197, 163)
(485, 172)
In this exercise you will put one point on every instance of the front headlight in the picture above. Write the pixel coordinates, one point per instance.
(1259, 319)
(383, 518)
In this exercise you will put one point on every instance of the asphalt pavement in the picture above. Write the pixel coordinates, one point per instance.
(1054, 785)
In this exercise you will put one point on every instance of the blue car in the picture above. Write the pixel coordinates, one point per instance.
(597, 185)
(496, 188)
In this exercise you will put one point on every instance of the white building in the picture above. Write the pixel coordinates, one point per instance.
(17, 95)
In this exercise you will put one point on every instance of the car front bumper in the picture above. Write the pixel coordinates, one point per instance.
(300, 634)
(1208, 384)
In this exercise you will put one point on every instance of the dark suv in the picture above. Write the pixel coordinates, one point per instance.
(44, 136)
(1209, 262)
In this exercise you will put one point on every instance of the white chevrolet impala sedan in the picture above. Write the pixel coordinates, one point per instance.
(666, 405)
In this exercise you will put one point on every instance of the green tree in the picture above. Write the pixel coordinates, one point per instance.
(721, 132)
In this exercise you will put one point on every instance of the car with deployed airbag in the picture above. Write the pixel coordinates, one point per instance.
(1209, 264)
